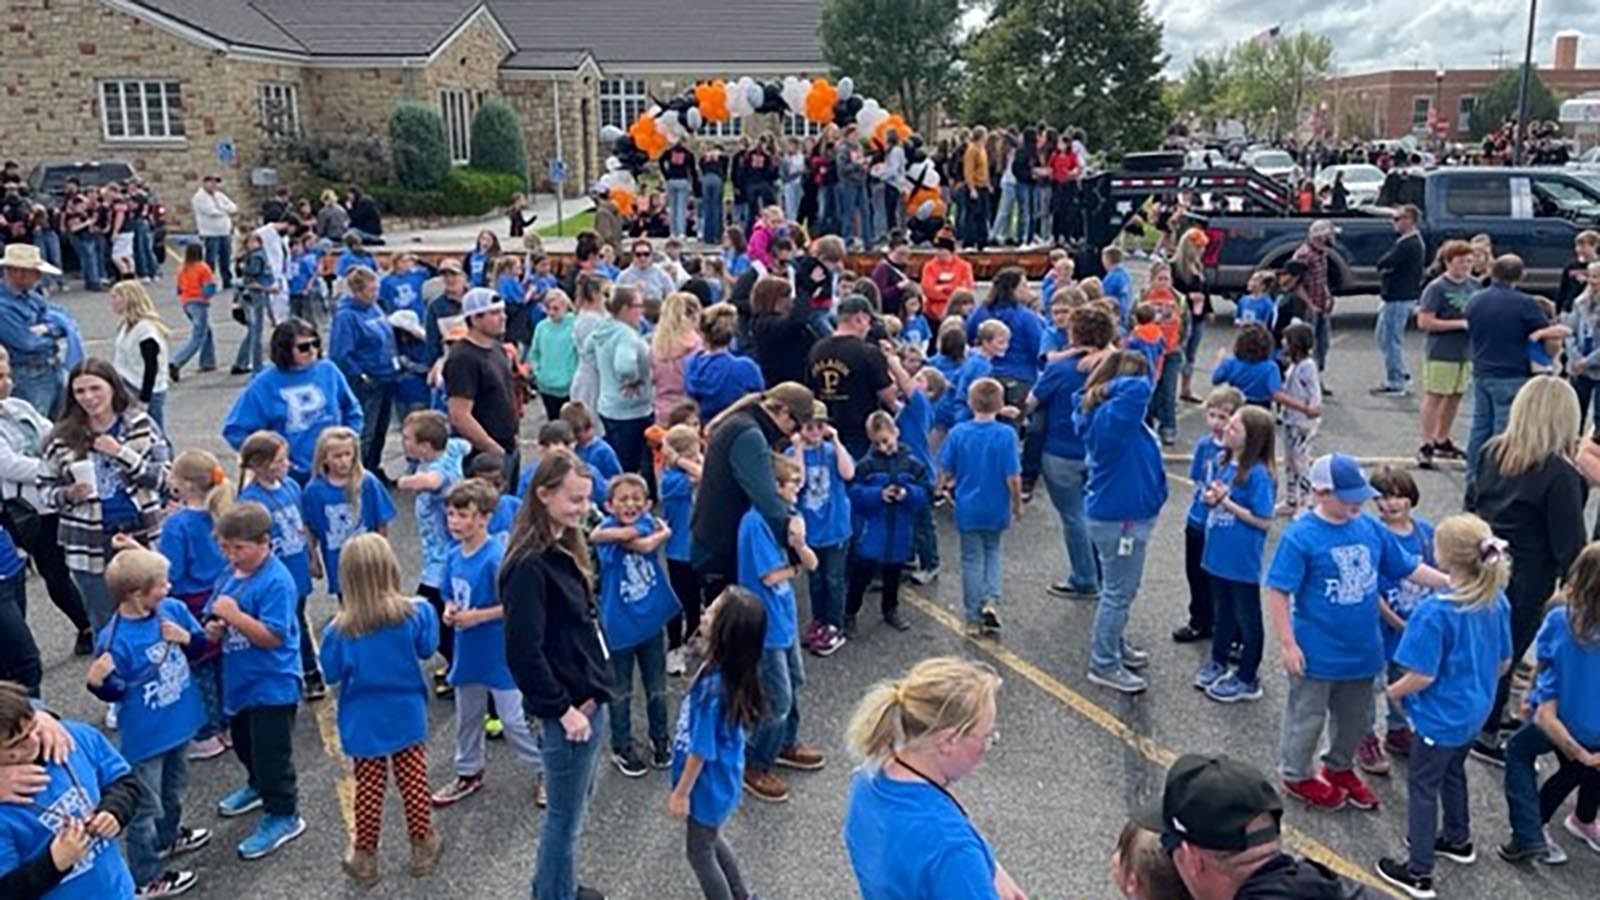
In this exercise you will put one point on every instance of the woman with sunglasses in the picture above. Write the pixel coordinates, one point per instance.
(297, 396)
(907, 835)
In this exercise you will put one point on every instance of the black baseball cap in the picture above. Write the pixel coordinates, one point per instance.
(1210, 801)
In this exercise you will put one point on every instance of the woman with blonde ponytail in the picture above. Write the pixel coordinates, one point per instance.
(1455, 647)
(188, 542)
(907, 835)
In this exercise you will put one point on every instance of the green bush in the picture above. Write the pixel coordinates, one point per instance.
(465, 192)
(421, 157)
(497, 141)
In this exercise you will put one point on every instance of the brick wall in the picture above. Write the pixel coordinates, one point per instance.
(533, 98)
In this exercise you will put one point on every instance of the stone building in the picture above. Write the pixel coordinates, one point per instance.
(253, 89)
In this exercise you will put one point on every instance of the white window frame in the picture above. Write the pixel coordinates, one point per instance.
(456, 108)
(733, 127)
(1427, 103)
(288, 127)
(1465, 107)
(797, 125)
(622, 100)
(159, 122)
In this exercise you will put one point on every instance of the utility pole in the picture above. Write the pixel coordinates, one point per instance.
(1521, 135)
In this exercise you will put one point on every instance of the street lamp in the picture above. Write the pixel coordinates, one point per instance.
(1520, 136)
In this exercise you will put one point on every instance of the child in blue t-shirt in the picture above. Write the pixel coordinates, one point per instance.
(263, 473)
(253, 617)
(1205, 462)
(825, 504)
(981, 464)
(305, 270)
(479, 263)
(437, 458)
(478, 668)
(371, 653)
(714, 377)
(636, 602)
(1257, 306)
(355, 254)
(888, 494)
(189, 543)
(401, 287)
(342, 500)
(1397, 599)
(914, 328)
(65, 836)
(680, 473)
(591, 448)
(1456, 646)
(994, 338)
(1238, 499)
(723, 704)
(1322, 589)
(916, 422)
(1250, 368)
(138, 667)
(490, 468)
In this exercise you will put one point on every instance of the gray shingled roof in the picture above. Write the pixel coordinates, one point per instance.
(324, 27)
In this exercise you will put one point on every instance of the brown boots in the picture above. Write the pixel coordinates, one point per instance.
(362, 866)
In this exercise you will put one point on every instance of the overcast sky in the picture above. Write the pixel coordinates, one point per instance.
(1383, 34)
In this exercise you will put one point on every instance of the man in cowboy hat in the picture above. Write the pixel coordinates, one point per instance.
(28, 327)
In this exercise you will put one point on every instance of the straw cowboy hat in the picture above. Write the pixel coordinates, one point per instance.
(26, 256)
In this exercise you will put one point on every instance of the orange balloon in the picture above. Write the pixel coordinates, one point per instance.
(820, 100)
(923, 195)
(623, 198)
(647, 137)
(880, 134)
(712, 98)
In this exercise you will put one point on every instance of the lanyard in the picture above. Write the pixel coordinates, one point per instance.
(934, 784)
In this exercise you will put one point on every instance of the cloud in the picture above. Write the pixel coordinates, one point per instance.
(1370, 35)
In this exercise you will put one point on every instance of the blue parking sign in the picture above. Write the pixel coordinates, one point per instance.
(225, 152)
(558, 171)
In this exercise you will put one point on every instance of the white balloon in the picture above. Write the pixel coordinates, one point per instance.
(737, 100)
(667, 123)
(794, 93)
(753, 95)
(931, 178)
(847, 87)
(610, 134)
(613, 164)
(695, 119)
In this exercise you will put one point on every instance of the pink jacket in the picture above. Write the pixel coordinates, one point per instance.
(760, 246)
(667, 374)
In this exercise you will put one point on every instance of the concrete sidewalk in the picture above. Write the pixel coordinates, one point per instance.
(464, 233)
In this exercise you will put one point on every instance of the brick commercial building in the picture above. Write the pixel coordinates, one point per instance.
(1396, 102)
(247, 88)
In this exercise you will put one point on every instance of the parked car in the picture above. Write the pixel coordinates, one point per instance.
(1534, 213)
(1363, 181)
(48, 180)
(1275, 163)
(1587, 161)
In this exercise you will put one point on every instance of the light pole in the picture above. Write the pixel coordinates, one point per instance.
(1439, 127)
(1520, 136)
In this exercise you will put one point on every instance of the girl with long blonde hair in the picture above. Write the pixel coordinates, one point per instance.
(676, 336)
(371, 652)
(139, 350)
(342, 499)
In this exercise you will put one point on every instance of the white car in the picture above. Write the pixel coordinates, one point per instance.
(1363, 181)
(1274, 164)
(1587, 161)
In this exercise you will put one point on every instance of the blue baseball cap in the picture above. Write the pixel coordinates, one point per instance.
(1342, 475)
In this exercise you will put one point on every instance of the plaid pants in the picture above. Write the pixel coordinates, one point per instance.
(411, 775)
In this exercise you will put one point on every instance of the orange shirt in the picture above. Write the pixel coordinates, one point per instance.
(192, 281)
(1168, 315)
(941, 279)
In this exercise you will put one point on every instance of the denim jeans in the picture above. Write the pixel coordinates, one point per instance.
(827, 584)
(38, 381)
(925, 539)
(569, 782)
(377, 404)
(1027, 203)
(1237, 617)
(1191, 344)
(1000, 231)
(1322, 332)
(711, 209)
(782, 674)
(1121, 572)
(155, 821)
(144, 250)
(219, 256)
(1064, 479)
(1164, 402)
(791, 194)
(49, 244)
(96, 598)
(651, 658)
(255, 311)
(91, 259)
(1437, 777)
(201, 340)
(975, 219)
(157, 410)
(1491, 406)
(678, 205)
(1391, 336)
(19, 655)
(980, 571)
(207, 676)
(1529, 804)
(852, 199)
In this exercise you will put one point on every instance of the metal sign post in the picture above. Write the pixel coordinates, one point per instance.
(558, 170)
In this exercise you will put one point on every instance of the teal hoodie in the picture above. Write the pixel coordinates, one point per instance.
(554, 355)
(622, 357)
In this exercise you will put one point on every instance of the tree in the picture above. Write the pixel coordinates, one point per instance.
(1204, 86)
(497, 144)
(1090, 64)
(902, 52)
(1499, 102)
(416, 135)
(1271, 85)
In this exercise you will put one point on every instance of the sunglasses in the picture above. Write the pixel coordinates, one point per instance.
(642, 255)
(307, 346)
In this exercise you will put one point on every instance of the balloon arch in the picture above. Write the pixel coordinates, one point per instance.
(817, 100)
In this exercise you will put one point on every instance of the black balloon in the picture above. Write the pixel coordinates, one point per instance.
(844, 111)
(632, 158)
(772, 98)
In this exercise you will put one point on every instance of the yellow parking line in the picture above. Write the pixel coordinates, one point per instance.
(326, 717)
(1142, 744)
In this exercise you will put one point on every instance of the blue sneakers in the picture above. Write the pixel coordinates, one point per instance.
(1231, 689)
(272, 833)
(1209, 674)
(242, 801)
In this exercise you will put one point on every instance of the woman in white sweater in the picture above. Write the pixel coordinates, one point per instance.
(139, 351)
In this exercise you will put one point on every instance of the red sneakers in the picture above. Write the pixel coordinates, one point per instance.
(1315, 793)
(1355, 790)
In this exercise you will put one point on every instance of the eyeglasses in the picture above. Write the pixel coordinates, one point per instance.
(307, 346)
(642, 255)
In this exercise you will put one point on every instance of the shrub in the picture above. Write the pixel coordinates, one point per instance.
(497, 144)
(464, 192)
(421, 158)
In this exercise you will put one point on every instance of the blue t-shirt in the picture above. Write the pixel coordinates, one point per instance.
(111, 486)
(332, 522)
(982, 457)
(1258, 381)
(1568, 673)
(916, 331)
(1262, 310)
(505, 515)
(824, 500)
(759, 554)
(1118, 285)
(1538, 356)
(26, 829)
(189, 543)
(705, 731)
(1402, 594)
(478, 268)
(1331, 574)
(915, 421)
(297, 404)
(975, 366)
(1204, 464)
(1233, 548)
(403, 290)
(718, 380)
(288, 528)
(383, 694)
(256, 676)
(510, 290)
(1054, 390)
(636, 599)
(428, 506)
(349, 259)
(1461, 650)
(908, 841)
(160, 704)
(677, 502)
(12, 562)
(470, 583)
(603, 466)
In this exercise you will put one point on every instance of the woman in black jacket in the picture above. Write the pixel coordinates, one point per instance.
(1531, 494)
(556, 655)
(780, 340)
